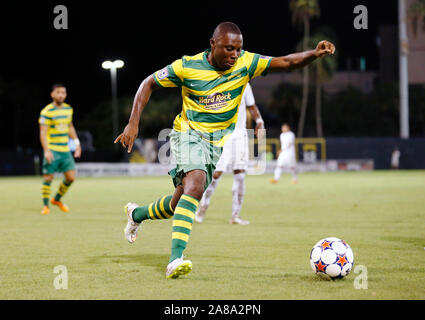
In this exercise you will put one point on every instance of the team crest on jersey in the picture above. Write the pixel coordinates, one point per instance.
(215, 101)
(162, 74)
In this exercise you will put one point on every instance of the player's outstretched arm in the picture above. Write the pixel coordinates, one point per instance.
(298, 60)
(127, 137)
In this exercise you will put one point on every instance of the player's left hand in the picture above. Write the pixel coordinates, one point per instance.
(77, 152)
(324, 47)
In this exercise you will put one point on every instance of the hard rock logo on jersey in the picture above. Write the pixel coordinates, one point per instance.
(62, 126)
(215, 100)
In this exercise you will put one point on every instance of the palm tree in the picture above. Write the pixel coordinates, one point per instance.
(302, 12)
(323, 69)
(416, 15)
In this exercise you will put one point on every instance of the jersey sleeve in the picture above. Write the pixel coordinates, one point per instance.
(258, 64)
(171, 75)
(249, 96)
(44, 119)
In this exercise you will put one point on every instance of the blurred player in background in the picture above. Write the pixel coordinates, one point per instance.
(55, 130)
(212, 83)
(395, 158)
(286, 159)
(236, 154)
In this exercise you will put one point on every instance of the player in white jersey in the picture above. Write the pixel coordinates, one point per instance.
(235, 155)
(286, 159)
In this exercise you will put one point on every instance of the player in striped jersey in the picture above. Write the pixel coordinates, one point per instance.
(55, 130)
(212, 83)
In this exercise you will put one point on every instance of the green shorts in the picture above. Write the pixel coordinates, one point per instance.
(191, 153)
(62, 162)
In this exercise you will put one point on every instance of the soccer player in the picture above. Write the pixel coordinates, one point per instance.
(286, 159)
(212, 84)
(236, 154)
(395, 158)
(55, 130)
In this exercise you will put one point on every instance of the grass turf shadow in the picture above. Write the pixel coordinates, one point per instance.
(157, 261)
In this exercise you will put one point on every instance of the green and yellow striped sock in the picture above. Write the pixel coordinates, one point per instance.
(182, 224)
(63, 188)
(160, 209)
(45, 192)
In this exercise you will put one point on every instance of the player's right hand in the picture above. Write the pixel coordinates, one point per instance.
(325, 47)
(48, 155)
(127, 137)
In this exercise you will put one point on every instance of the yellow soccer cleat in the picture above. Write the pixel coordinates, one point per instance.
(61, 205)
(177, 268)
(45, 210)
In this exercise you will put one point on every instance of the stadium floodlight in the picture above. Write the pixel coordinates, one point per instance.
(112, 67)
(118, 64)
(107, 65)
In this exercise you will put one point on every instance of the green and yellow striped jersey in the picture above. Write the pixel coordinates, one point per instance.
(57, 121)
(211, 97)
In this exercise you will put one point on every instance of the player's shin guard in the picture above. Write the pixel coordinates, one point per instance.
(63, 188)
(182, 225)
(45, 192)
(238, 191)
(160, 209)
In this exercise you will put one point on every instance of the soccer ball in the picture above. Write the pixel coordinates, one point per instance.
(331, 258)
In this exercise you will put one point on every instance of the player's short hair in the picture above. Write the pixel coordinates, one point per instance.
(286, 124)
(58, 85)
(226, 27)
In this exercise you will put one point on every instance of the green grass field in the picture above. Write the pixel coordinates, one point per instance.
(380, 214)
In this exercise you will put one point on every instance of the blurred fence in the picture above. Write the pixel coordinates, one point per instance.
(379, 150)
(412, 151)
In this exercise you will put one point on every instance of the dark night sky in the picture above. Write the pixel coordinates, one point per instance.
(34, 55)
